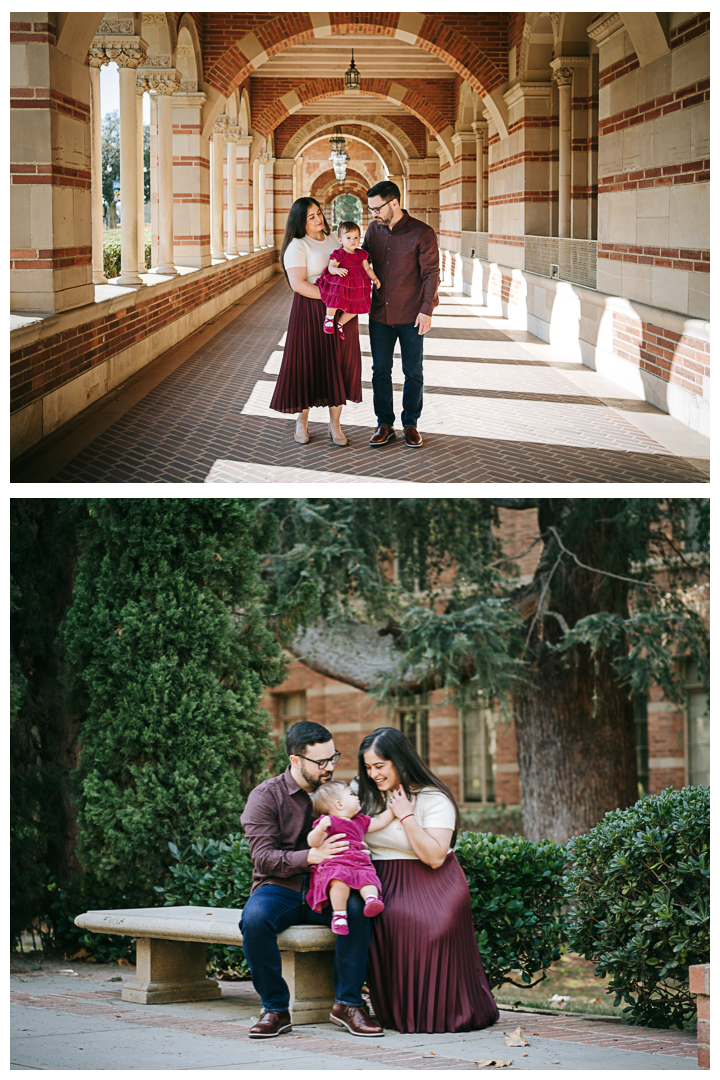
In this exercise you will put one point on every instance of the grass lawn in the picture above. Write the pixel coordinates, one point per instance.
(571, 977)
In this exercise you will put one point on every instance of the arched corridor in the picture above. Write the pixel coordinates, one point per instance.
(562, 158)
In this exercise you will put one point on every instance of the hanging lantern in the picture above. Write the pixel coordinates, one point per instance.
(352, 75)
(339, 164)
(337, 140)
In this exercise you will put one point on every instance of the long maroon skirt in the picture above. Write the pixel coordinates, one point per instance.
(317, 368)
(424, 968)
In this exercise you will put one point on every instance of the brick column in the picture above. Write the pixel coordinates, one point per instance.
(432, 176)
(98, 272)
(417, 189)
(465, 182)
(231, 137)
(520, 184)
(191, 182)
(51, 186)
(283, 172)
(244, 194)
(217, 142)
(700, 987)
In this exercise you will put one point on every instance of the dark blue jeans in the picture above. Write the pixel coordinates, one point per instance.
(272, 908)
(382, 343)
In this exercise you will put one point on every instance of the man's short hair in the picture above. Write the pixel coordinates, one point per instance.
(386, 189)
(303, 734)
(323, 800)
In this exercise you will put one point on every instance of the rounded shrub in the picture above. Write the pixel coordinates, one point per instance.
(213, 873)
(517, 893)
(639, 885)
(111, 252)
(89, 893)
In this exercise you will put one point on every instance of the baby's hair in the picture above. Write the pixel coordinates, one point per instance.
(347, 227)
(325, 796)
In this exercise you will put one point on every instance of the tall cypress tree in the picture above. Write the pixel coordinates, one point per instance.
(170, 654)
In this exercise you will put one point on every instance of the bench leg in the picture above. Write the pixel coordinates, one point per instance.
(309, 976)
(170, 971)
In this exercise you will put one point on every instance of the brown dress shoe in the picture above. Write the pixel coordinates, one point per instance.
(271, 1024)
(412, 436)
(383, 435)
(356, 1020)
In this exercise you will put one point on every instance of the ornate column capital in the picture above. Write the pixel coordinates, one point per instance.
(563, 76)
(480, 128)
(128, 50)
(221, 125)
(232, 135)
(159, 80)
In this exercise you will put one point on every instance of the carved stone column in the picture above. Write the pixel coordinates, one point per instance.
(231, 137)
(163, 83)
(140, 90)
(98, 273)
(217, 141)
(128, 51)
(262, 160)
(481, 133)
(244, 193)
(563, 77)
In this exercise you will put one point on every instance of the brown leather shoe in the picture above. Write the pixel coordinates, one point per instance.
(356, 1020)
(412, 436)
(270, 1024)
(383, 435)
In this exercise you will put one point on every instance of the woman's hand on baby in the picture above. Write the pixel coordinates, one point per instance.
(400, 804)
(332, 845)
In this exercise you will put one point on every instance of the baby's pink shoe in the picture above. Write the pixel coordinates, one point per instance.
(340, 330)
(339, 924)
(373, 906)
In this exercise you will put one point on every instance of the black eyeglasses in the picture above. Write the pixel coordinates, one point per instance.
(323, 761)
(377, 209)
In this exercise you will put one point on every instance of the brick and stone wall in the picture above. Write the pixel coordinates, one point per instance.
(700, 987)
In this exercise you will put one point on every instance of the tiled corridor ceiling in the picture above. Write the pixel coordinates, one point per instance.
(376, 57)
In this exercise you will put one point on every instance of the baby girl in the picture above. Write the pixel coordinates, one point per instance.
(345, 283)
(353, 868)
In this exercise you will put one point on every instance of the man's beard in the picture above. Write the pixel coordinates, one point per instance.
(314, 782)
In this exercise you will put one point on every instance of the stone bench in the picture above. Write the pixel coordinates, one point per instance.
(171, 956)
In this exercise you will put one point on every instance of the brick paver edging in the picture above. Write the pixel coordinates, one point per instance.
(565, 1029)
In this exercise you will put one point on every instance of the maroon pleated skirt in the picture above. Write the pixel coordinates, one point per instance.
(317, 368)
(424, 968)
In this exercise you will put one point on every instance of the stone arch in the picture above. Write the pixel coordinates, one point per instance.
(466, 110)
(74, 32)
(244, 114)
(416, 28)
(158, 30)
(231, 109)
(327, 178)
(535, 52)
(189, 54)
(383, 151)
(316, 89)
(648, 35)
(401, 143)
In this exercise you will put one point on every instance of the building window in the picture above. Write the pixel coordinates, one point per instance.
(698, 730)
(292, 708)
(641, 743)
(479, 755)
(412, 715)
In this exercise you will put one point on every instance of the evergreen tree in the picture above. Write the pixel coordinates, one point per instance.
(42, 730)
(170, 654)
(565, 652)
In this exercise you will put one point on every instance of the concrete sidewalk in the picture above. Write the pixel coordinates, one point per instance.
(65, 1021)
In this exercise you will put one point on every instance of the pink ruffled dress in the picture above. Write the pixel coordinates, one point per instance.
(354, 866)
(351, 293)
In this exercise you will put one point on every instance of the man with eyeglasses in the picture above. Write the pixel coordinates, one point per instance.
(404, 255)
(276, 819)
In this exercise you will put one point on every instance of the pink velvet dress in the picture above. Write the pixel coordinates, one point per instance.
(350, 293)
(353, 866)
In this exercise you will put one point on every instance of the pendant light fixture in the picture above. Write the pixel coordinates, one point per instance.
(352, 75)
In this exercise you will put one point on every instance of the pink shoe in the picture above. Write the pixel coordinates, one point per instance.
(373, 906)
(339, 924)
(340, 330)
(329, 325)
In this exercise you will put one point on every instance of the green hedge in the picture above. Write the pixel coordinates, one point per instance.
(500, 820)
(213, 873)
(111, 252)
(517, 894)
(639, 884)
(88, 894)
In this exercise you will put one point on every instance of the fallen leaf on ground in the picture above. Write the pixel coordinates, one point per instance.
(593, 1001)
(497, 1063)
(80, 955)
(122, 962)
(515, 1038)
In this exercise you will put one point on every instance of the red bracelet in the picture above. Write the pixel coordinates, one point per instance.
(405, 818)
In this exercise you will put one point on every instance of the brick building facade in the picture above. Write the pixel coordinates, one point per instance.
(562, 158)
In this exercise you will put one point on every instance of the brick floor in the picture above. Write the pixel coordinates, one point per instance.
(104, 1004)
(493, 412)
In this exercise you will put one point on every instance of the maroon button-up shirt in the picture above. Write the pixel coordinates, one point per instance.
(407, 261)
(277, 818)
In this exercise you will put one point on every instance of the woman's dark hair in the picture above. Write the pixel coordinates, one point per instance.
(348, 226)
(303, 734)
(391, 745)
(296, 223)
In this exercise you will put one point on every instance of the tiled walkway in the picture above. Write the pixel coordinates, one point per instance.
(79, 1021)
(500, 406)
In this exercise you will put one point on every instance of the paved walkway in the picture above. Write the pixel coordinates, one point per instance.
(500, 407)
(79, 1021)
